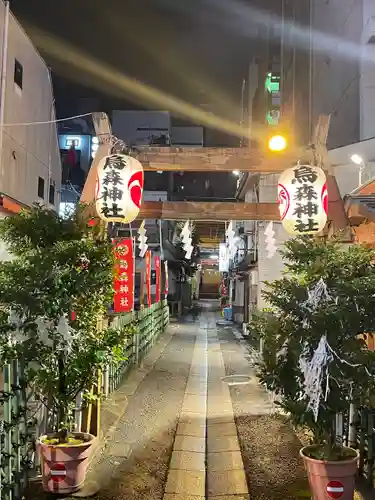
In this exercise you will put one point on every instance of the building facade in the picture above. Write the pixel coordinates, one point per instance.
(30, 159)
(327, 66)
(139, 128)
(326, 53)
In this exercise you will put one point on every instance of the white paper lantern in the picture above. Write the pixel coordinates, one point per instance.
(119, 188)
(303, 199)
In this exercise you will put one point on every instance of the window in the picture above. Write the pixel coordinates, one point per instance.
(51, 197)
(18, 74)
(41, 187)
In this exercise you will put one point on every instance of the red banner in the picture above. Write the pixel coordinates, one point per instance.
(124, 276)
(148, 276)
(166, 278)
(157, 272)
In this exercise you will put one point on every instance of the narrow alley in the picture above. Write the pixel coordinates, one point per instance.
(177, 431)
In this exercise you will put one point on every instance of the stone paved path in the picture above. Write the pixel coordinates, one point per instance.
(176, 431)
(175, 438)
(206, 459)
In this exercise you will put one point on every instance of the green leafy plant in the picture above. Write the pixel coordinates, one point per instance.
(292, 331)
(52, 295)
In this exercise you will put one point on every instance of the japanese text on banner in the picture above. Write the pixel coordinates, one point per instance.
(124, 276)
(112, 190)
(148, 277)
(158, 284)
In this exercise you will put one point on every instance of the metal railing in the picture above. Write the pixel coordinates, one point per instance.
(358, 426)
(150, 324)
(359, 433)
(24, 416)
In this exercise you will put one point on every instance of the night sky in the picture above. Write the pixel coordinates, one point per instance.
(196, 50)
(187, 48)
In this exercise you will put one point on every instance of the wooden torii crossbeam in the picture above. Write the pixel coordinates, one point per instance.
(201, 159)
(208, 211)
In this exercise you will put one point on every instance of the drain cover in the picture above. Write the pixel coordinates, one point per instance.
(236, 379)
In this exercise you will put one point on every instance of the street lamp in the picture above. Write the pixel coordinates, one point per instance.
(277, 143)
(358, 160)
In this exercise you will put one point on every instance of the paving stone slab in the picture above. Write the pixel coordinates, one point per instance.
(189, 443)
(188, 417)
(194, 390)
(183, 481)
(194, 400)
(187, 460)
(223, 443)
(219, 401)
(216, 363)
(195, 379)
(230, 482)
(219, 430)
(224, 418)
(218, 389)
(175, 496)
(228, 460)
(218, 411)
(194, 404)
(227, 497)
(196, 386)
(193, 429)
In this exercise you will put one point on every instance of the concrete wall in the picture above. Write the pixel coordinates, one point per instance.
(31, 151)
(238, 302)
(367, 81)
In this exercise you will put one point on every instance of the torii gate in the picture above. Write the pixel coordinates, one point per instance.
(201, 159)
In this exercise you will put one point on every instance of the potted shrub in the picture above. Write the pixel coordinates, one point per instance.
(52, 295)
(312, 357)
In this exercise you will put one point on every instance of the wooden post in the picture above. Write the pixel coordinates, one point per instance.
(142, 290)
(96, 407)
(352, 432)
(336, 212)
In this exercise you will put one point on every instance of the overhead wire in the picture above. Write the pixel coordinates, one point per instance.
(46, 122)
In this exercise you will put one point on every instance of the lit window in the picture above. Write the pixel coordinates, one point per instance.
(66, 209)
(94, 146)
(70, 141)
